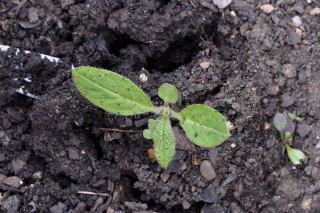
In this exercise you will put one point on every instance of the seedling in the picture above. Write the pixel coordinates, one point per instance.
(116, 94)
(281, 123)
(294, 117)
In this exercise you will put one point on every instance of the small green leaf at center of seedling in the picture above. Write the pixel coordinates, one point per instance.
(168, 93)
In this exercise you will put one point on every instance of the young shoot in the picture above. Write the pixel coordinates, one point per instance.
(282, 124)
(116, 94)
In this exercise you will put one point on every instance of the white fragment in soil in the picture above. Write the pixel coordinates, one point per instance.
(315, 11)
(296, 21)
(50, 58)
(267, 8)
(26, 93)
(233, 14)
(143, 77)
(318, 146)
(222, 3)
(28, 79)
(5, 48)
(205, 65)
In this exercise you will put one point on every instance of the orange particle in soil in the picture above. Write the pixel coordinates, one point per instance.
(151, 153)
(194, 160)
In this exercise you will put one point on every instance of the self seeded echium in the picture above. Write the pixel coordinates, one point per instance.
(114, 93)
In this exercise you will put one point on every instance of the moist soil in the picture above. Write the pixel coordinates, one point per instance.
(244, 62)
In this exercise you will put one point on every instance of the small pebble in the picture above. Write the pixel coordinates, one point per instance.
(267, 8)
(2, 177)
(222, 3)
(306, 203)
(233, 145)
(143, 77)
(289, 70)
(151, 153)
(315, 11)
(207, 171)
(205, 65)
(296, 21)
(233, 14)
(33, 15)
(11, 203)
(37, 175)
(17, 165)
(13, 181)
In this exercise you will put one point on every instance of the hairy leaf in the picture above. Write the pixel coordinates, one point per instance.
(164, 142)
(204, 125)
(111, 91)
(168, 93)
(295, 155)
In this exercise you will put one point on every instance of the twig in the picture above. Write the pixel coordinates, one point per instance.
(94, 193)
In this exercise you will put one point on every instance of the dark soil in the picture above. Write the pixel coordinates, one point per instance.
(55, 145)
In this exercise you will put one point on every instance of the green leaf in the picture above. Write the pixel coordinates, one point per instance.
(147, 134)
(204, 125)
(168, 93)
(111, 91)
(294, 117)
(280, 121)
(164, 142)
(295, 155)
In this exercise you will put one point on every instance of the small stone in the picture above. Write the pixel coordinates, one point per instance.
(207, 171)
(2, 178)
(230, 126)
(296, 21)
(186, 204)
(73, 153)
(290, 187)
(133, 206)
(37, 175)
(33, 15)
(209, 195)
(151, 153)
(11, 203)
(236, 106)
(233, 145)
(289, 70)
(205, 65)
(143, 77)
(58, 208)
(13, 181)
(267, 8)
(165, 177)
(299, 31)
(315, 11)
(306, 203)
(303, 130)
(267, 126)
(17, 165)
(299, 7)
(293, 37)
(213, 155)
(315, 173)
(222, 3)
(274, 90)
(233, 13)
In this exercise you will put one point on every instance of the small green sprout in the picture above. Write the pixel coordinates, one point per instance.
(116, 94)
(294, 117)
(281, 123)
